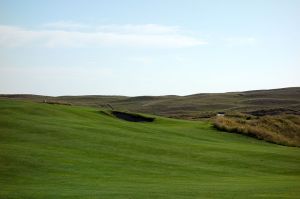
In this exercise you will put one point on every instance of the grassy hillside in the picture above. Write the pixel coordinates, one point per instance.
(197, 106)
(57, 151)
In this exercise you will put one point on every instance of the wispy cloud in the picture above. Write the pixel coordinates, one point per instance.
(64, 34)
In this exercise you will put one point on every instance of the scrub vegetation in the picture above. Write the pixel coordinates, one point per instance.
(280, 129)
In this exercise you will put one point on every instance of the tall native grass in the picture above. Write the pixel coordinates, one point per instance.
(279, 129)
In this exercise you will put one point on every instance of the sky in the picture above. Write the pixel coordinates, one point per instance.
(139, 47)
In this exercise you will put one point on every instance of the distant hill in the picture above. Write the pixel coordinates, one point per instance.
(197, 106)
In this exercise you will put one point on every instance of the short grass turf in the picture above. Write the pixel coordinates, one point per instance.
(56, 151)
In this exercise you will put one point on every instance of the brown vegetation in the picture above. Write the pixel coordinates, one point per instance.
(191, 107)
(279, 129)
(56, 102)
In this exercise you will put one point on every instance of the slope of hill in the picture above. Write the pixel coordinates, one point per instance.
(57, 151)
(188, 107)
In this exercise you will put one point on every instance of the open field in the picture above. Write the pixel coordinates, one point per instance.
(59, 151)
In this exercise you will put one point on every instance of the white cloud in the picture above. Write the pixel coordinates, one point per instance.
(149, 35)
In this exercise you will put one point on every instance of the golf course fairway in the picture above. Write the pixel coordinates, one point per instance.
(60, 151)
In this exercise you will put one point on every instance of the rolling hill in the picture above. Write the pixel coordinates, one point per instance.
(60, 151)
(196, 106)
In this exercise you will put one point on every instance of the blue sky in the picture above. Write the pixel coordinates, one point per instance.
(148, 47)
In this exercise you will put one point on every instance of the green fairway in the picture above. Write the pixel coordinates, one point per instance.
(57, 151)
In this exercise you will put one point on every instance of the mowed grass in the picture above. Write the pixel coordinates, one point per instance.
(57, 151)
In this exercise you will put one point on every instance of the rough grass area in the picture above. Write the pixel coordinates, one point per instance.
(57, 151)
(57, 102)
(280, 129)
